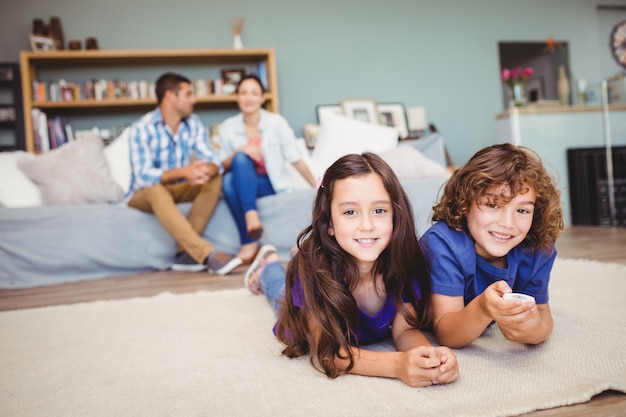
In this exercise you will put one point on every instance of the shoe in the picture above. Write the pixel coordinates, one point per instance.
(259, 262)
(249, 259)
(184, 262)
(221, 263)
(255, 234)
(235, 262)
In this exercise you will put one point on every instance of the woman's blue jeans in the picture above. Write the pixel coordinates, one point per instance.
(272, 281)
(241, 187)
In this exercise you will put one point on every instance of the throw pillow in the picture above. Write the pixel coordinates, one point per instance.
(117, 155)
(408, 162)
(75, 173)
(341, 135)
(16, 189)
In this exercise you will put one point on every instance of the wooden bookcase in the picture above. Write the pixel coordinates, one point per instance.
(32, 63)
(11, 117)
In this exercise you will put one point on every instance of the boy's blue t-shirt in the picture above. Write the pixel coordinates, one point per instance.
(456, 269)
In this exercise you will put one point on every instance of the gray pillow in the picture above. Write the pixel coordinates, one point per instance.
(75, 173)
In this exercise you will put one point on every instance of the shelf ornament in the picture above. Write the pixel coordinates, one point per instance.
(236, 25)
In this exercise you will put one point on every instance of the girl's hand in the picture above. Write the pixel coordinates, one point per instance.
(449, 366)
(427, 365)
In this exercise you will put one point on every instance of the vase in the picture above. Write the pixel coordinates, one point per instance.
(563, 86)
(237, 42)
(56, 33)
(517, 94)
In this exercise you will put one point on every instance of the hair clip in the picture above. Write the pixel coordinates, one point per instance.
(320, 180)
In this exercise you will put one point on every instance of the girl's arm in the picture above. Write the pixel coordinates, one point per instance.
(417, 363)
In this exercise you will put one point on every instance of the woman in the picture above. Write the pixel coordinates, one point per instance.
(254, 146)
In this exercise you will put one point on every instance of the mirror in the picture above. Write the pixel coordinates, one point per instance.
(543, 84)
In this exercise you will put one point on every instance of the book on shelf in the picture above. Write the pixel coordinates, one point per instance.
(261, 72)
(40, 130)
(50, 133)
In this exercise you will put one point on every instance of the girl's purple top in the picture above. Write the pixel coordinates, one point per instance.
(370, 329)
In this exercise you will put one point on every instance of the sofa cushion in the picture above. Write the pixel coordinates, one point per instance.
(408, 162)
(341, 135)
(16, 189)
(117, 155)
(75, 173)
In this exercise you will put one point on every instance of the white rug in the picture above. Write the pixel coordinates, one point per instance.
(213, 354)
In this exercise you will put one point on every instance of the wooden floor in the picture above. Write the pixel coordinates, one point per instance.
(602, 244)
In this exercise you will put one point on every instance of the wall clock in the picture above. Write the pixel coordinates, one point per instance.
(618, 43)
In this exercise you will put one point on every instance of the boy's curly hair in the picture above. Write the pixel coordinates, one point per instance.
(517, 167)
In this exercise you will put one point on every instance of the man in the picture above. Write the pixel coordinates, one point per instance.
(172, 162)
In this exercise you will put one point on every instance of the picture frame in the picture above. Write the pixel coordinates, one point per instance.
(394, 115)
(361, 109)
(324, 110)
(230, 78)
(533, 90)
(41, 43)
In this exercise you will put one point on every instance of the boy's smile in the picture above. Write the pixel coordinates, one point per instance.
(497, 228)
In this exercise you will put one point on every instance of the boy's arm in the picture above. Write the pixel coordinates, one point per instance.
(457, 325)
(532, 325)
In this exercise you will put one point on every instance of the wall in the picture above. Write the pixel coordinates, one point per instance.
(439, 54)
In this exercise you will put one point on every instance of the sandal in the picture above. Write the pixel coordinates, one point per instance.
(258, 263)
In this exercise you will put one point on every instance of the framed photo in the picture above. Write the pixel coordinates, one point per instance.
(41, 43)
(233, 76)
(393, 115)
(533, 89)
(324, 110)
(364, 110)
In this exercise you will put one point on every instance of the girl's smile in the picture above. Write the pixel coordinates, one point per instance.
(362, 217)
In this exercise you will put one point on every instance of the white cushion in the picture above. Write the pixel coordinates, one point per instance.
(341, 135)
(16, 189)
(408, 162)
(75, 173)
(117, 154)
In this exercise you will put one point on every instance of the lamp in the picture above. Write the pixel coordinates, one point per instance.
(417, 121)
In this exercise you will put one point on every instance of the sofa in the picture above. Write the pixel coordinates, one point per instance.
(42, 244)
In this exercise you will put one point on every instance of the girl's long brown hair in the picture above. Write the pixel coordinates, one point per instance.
(504, 164)
(328, 274)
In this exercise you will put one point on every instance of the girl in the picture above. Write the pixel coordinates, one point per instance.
(497, 223)
(254, 146)
(358, 276)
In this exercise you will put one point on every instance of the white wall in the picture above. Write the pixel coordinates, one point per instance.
(436, 53)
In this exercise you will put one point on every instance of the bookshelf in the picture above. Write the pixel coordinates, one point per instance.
(11, 117)
(33, 63)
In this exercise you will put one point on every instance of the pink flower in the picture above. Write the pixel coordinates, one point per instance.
(517, 75)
